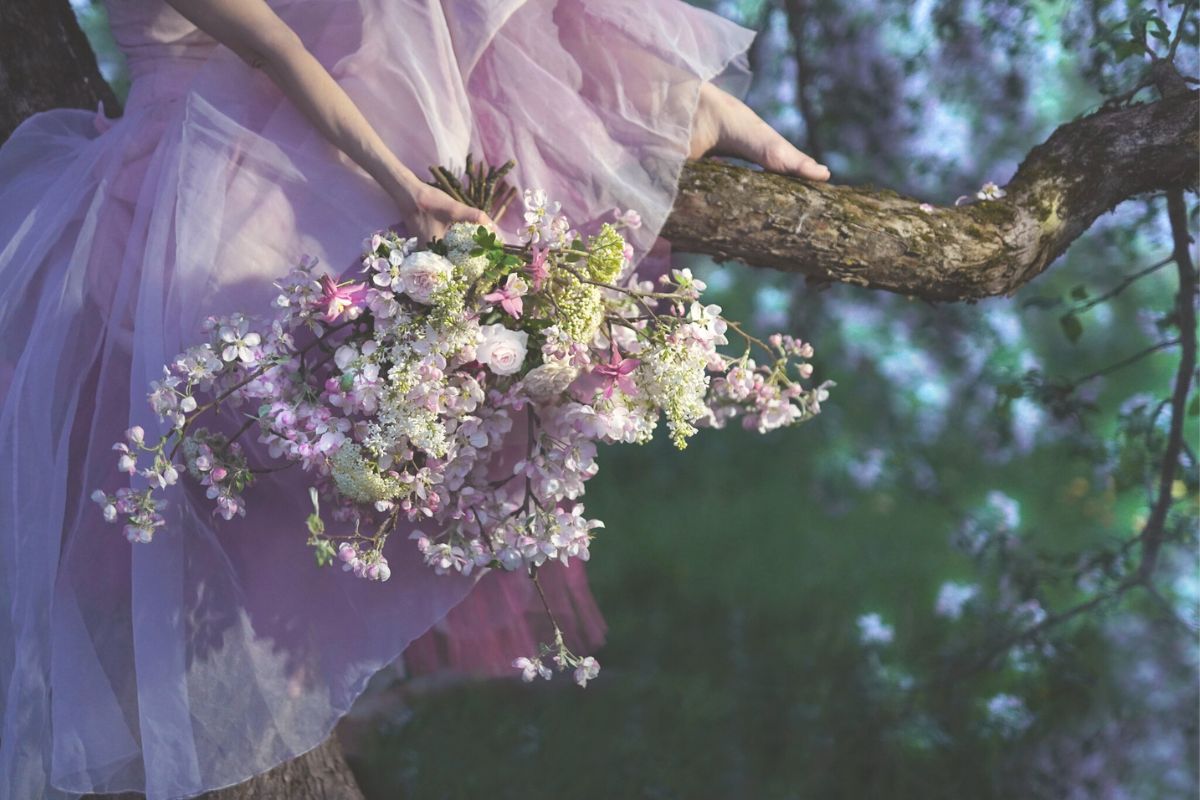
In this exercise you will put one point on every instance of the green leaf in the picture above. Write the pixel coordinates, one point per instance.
(1194, 407)
(1011, 390)
(1124, 50)
(324, 552)
(1080, 292)
(484, 237)
(1071, 326)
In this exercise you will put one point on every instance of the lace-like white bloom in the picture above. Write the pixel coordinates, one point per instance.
(358, 479)
(676, 381)
(549, 380)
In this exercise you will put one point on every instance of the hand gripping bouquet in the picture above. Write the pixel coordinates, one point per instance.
(395, 391)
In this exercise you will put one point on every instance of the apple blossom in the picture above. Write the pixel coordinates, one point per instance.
(402, 416)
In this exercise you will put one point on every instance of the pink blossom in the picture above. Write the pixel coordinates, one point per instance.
(587, 670)
(616, 373)
(341, 299)
(509, 295)
(629, 218)
(538, 271)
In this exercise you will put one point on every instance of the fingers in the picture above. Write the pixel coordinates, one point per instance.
(783, 157)
(805, 166)
(811, 169)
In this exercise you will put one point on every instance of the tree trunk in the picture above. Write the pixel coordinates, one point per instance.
(45, 62)
(320, 774)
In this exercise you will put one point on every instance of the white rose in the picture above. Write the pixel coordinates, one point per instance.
(502, 350)
(549, 380)
(423, 273)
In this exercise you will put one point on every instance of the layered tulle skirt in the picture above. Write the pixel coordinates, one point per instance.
(220, 650)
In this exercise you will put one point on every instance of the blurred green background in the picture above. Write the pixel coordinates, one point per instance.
(737, 578)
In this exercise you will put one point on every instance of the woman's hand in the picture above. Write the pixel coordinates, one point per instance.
(725, 126)
(428, 211)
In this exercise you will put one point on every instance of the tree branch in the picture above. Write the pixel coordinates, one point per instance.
(1154, 533)
(881, 240)
(1185, 311)
(873, 238)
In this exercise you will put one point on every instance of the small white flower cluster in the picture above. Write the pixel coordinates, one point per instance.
(396, 395)
(584, 668)
(372, 566)
(1008, 715)
(953, 597)
(543, 222)
(138, 509)
(872, 630)
(989, 191)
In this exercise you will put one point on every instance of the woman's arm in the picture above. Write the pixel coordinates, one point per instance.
(252, 30)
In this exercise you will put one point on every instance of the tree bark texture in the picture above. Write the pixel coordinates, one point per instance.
(45, 62)
(880, 240)
(320, 774)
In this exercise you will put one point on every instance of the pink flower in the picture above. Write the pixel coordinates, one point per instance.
(341, 299)
(538, 271)
(531, 668)
(509, 295)
(629, 218)
(616, 373)
(587, 670)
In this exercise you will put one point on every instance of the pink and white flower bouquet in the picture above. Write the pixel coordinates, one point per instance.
(397, 392)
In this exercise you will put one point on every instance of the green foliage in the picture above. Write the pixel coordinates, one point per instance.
(733, 667)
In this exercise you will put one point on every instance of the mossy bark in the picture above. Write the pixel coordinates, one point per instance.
(880, 240)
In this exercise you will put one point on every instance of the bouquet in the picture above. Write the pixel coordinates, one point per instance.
(396, 391)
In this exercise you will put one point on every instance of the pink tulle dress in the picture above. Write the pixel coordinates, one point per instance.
(220, 650)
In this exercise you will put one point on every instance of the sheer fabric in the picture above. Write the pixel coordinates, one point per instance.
(219, 650)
